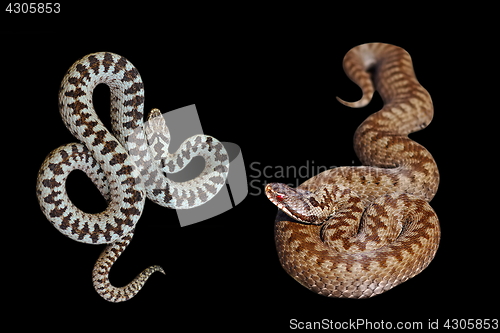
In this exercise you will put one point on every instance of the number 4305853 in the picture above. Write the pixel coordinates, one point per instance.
(33, 8)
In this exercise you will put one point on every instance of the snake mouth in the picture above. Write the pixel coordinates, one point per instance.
(275, 195)
(270, 191)
(279, 194)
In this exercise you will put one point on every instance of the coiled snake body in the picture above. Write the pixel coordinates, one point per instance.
(356, 232)
(127, 165)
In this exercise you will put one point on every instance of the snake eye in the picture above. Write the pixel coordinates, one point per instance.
(280, 197)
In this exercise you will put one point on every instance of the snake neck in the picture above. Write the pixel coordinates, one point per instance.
(382, 139)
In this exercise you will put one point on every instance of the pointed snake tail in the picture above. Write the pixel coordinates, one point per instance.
(358, 64)
(100, 274)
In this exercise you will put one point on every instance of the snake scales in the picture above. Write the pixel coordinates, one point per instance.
(126, 164)
(356, 232)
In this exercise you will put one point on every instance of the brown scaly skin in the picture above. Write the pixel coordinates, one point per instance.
(317, 233)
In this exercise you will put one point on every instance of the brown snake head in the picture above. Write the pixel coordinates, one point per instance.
(299, 204)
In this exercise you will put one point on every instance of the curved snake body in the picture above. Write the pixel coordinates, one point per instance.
(356, 232)
(123, 164)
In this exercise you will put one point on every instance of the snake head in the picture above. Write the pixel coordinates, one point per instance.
(297, 203)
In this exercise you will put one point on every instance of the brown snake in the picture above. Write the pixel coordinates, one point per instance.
(356, 232)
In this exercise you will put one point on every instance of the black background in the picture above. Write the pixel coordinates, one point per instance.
(266, 81)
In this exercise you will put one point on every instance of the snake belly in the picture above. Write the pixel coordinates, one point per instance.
(356, 232)
(121, 164)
